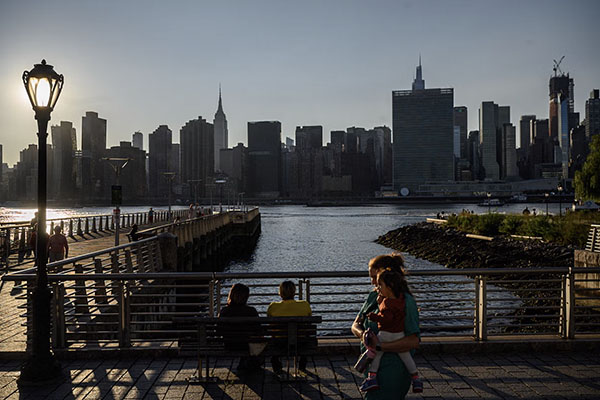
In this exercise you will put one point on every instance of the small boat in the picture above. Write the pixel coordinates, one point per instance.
(518, 198)
(491, 203)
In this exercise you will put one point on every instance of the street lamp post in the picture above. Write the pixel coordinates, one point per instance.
(195, 182)
(489, 195)
(117, 165)
(546, 195)
(170, 176)
(43, 87)
(560, 189)
(220, 182)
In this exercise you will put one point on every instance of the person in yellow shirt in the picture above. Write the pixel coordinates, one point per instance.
(288, 307)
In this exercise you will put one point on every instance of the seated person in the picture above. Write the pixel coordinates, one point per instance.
(133, 233)
(237, 307)
(288, 307)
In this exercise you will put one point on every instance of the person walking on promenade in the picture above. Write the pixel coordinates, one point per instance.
(237, 307)
(288, 307)
(150, 215)
(393, 378)
(390, 322)
(58, 247)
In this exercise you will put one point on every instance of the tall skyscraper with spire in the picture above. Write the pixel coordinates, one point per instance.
(221, 133)
(419, 83)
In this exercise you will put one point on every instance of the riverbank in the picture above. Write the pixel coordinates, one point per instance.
(448, 246)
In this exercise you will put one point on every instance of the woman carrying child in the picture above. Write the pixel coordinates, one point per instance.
(393, 378)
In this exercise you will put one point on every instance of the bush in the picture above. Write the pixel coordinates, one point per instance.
(511, 225)
(489, 224)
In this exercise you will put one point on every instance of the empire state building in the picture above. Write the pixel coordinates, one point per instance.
(221, 133)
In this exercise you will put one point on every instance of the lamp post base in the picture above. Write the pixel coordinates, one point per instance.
(39, 371)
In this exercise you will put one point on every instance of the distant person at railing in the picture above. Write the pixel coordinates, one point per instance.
(393, 378)
(133, 233)
(58, 247)
(288, 307)
(191, 211)
(150, 215)
(237, 307)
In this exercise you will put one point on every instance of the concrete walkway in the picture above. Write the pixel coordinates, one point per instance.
(500, 376)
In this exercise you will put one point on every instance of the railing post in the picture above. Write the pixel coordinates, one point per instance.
(124, 317)
(87, 226)
(79, 231)
(58, 320)
(218, 297)
(71, 228)
(480, 308)
(568, 306)
(211, 298)
(300, 289)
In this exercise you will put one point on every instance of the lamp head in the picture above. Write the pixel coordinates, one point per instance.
(43, 87)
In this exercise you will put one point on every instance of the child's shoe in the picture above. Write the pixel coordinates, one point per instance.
(370, 383)
(417, 384)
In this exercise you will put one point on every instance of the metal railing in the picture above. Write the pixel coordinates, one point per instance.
(593, 242)
(128, 308)
(15, 246)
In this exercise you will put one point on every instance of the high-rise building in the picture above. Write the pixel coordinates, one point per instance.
(221, 134)
(419, 83)
(159, 161)
(64, 143)
(309, 137)
(592, 114)
(461, 121)
(564, 140)
(234, 164)
(93, 149)
(309, 143)
(264, 158)
(509, 152)
(423, 123)
(137, 140)
(525, 131)
(197, 153)
(491, 122)
(473, 154)
(559, 85)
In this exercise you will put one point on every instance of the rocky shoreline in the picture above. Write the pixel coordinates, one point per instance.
(447, 246)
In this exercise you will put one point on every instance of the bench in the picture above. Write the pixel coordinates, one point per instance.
(289, 337)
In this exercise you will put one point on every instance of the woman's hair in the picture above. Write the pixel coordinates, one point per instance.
(394, 281)
(287, 290)
(238, 295)
(391, 262)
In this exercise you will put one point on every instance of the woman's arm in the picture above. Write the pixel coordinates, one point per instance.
(401, 345)
(357, 327)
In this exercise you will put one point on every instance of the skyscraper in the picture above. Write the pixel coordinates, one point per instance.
(525, 131)
(419, 83)
(423, 123)
(491, 122)
(64, 143)
(560, 84)
(159, 160)
(461, 121)
(592, 114)
(221, 134)
(197, 153)
(93, 148)
(509, 152)
(137, 140)
(264, 158)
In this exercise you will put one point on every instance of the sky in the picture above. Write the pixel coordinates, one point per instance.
(335, 63)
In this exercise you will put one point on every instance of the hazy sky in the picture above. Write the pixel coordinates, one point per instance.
(141, 64)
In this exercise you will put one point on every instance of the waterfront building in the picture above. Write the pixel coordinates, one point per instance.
(264, 158)
(559, 85)
(473, 155)
(492, 118)
(592, 114)
(234, 165)
(64, 146)
(197, 153)
(422, 126)
(93, 149)
(137, 140)
(509, 152)
(221, 133)
(461, 121)
(309, 158)
(525, 131)
(159, 148)
(133, 177)
(578, 148)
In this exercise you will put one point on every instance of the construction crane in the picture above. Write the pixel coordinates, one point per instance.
(557, 66)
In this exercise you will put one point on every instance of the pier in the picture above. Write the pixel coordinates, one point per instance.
(113, 310)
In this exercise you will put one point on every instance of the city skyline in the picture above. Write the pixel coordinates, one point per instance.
(142, 65)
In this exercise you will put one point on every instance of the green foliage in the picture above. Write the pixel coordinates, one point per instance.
(587, 181)
(571, 229)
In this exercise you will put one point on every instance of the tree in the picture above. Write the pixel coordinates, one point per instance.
(587, 181)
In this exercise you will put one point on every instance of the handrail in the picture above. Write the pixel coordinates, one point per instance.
(20, 276)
